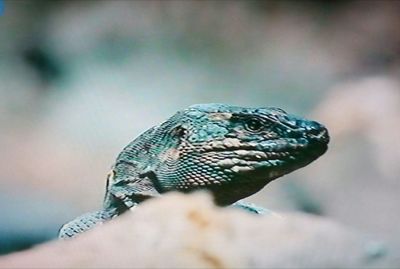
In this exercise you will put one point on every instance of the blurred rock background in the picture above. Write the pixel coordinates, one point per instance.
(80, 79)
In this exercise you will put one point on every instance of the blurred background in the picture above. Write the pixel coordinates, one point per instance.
(81, 79)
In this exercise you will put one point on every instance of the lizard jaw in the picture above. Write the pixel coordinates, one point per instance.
(268, 160)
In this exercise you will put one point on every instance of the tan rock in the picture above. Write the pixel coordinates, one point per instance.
(188, 231)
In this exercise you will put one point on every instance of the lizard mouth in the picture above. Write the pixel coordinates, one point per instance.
(246, 168)
(271, 158)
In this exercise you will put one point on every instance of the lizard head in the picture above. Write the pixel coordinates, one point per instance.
(235, 151)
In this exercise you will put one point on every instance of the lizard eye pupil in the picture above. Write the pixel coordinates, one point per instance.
(254, 125)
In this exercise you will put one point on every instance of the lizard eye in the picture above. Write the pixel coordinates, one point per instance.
(254, 125)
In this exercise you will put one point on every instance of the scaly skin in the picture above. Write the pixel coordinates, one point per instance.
(233, 152)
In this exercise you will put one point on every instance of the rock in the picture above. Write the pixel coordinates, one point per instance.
(188, 231)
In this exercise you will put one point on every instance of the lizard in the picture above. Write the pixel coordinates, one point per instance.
(230, 151)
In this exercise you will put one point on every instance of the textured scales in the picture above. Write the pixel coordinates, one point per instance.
(231, 151)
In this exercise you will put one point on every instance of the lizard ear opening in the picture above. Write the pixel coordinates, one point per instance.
(179, 131)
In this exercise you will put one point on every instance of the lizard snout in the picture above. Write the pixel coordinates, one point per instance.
(317, 131)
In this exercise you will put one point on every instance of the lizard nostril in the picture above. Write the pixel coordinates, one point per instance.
(314, 130)
(317, 131)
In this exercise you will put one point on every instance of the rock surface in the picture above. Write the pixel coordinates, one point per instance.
(188, 231)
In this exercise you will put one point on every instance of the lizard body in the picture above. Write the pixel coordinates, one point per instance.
(231, 151)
